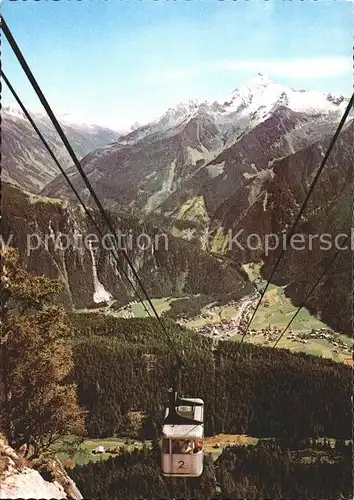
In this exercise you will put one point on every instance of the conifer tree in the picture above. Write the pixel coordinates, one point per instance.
(39, 403)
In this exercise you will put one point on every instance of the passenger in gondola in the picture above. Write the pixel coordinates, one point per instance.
(187, 447)
(198, 446)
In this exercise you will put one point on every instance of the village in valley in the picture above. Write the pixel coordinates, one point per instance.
(325, 340)
(229, 322)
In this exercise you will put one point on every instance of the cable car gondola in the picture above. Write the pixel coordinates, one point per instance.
(182, 437)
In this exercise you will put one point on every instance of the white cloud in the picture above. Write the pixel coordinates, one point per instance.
(309, 68)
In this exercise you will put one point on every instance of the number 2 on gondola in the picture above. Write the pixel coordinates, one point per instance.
(180, 464)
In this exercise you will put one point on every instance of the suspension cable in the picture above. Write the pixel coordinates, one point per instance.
(58, 128)
(54, 158)
(329, 265)
(311, 189)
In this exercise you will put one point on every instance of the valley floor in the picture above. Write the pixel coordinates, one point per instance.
(213, 445)
(306, 334)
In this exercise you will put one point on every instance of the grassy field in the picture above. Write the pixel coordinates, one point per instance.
(316, 347)
(85, 455)
(212, 316)
(161, 305)
(277, 313)
(276, 310)
(194, 210)
(164, 304)
(213, 445)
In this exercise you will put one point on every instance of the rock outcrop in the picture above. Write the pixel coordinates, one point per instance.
(26, 163)
(52, 238)
(42, 479)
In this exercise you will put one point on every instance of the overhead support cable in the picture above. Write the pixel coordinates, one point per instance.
(327, 268)
(54, 158)
(302, 208)
(83, 175)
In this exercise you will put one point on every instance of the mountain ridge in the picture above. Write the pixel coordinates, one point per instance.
(25, 161)
(188, 172)
(171, 270)
(154, 162)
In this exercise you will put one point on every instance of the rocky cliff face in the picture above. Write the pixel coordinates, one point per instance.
(272, 204)
(139, 174)
(23, 479)
(204, 169)
(26, 163)
(53, 239)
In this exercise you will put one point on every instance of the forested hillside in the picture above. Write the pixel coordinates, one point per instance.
(121, 371)
(124, 365)
(53, 237)
(272, 469)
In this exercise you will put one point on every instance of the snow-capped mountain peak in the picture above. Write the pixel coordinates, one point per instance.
(335, 99)
(14, 111)
(66, 119)
(179, 113)
(25, 160)
(258, 93)
(258, 98)
(173, 117)
(263, 93)
(246, 107)
(260, 81)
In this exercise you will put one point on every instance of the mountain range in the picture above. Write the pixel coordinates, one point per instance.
(199, 153)
(25, 161)
(206, 168)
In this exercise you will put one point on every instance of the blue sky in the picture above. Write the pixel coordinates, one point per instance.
(115, 62)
